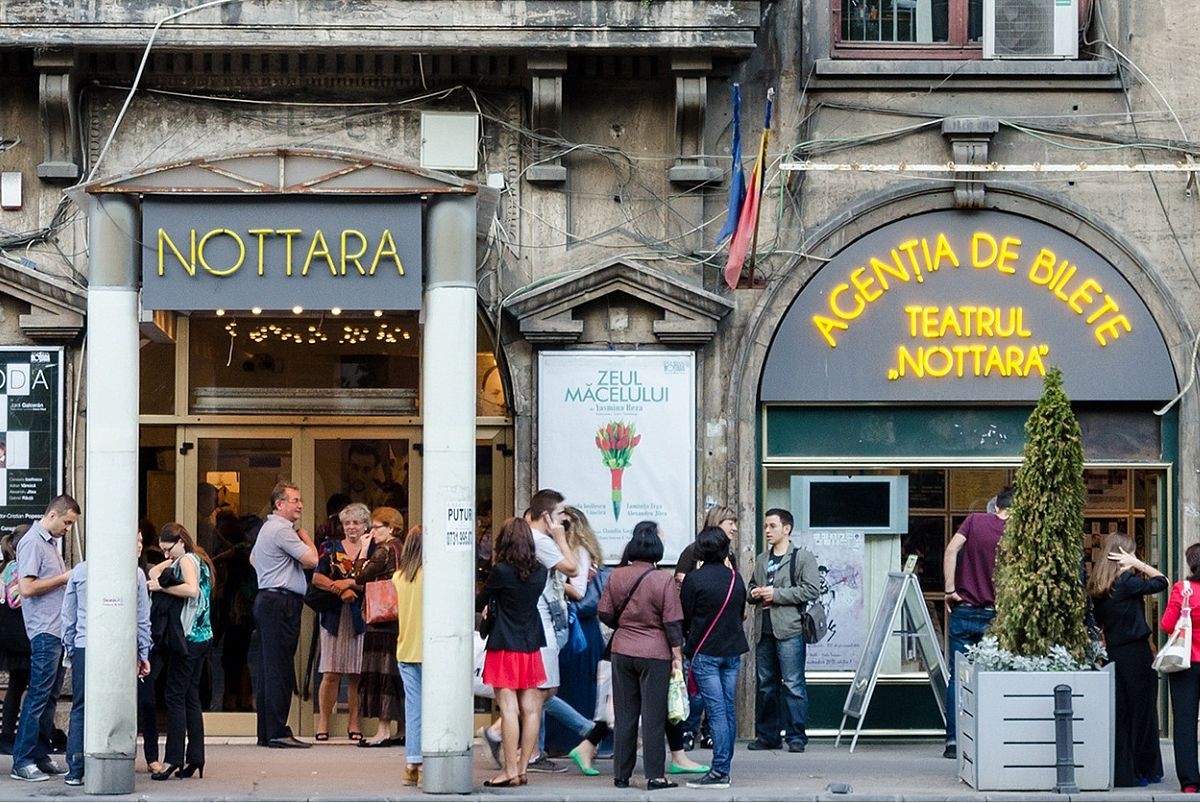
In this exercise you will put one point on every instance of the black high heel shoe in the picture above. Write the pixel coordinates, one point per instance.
(165, 773)
(188, 770)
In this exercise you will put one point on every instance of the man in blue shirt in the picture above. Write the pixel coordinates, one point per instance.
(281, 554)
(74, 639)
(42, 578)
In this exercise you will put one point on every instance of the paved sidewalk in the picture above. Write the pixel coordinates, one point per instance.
(880, 770)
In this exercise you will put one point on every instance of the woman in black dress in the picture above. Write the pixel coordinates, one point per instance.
(1118, 584)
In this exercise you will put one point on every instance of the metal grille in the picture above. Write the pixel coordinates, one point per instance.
(1024, 27)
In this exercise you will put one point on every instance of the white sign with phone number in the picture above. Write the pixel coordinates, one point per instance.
(460, 526)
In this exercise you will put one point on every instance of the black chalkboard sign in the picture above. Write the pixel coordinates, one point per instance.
(901, 613)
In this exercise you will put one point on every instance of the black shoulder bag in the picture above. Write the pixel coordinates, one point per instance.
(813, 619)
(607, 654)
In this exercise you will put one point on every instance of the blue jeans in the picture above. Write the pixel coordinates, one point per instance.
(410, 674)
(695, 707)
(75, 730)
(37, 712)
(782, 703)
(717, 678)
(967, 626)
(571, 719)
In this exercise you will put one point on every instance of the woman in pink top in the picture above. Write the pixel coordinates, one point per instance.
(1185, 685)
(641, 604)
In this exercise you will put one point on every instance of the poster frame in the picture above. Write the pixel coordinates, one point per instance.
(546, 360)
(59, 447)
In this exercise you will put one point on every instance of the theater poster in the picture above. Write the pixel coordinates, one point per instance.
(31, 431)
(840, 559)
(616, 435)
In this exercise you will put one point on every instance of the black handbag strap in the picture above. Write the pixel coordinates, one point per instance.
(621, 608)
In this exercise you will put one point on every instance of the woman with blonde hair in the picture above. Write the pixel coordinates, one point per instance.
(342, 628)
(380, 694)
(1118, 583)
(409, 580)
(569, 713)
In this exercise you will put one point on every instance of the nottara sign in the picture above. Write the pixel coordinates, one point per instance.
(966, 306)
(281, 252)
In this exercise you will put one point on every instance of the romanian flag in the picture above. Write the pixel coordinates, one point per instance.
(737, 180)
(745, 236)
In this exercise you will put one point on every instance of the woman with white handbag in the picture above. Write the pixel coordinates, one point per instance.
(1179, 619)
(1118, 586)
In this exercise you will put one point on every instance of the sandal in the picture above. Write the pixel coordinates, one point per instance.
(354, 736)
(321, 736)
(370, 743)
(505, 781)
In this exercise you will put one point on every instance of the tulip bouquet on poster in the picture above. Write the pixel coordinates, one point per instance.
(616, 442)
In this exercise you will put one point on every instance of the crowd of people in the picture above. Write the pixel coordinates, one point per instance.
(581, 658)
(576, 652)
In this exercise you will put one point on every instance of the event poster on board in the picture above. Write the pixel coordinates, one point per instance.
(840, 558)
(616, 435)
(31, 422)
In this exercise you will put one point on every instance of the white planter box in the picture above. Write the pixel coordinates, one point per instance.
(1006, 728)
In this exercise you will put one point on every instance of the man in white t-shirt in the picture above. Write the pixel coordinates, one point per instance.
(545, 517)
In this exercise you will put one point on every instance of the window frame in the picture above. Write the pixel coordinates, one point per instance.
(956, 48)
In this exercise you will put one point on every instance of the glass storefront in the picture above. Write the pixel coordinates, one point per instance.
(238, 403)
(932, 449)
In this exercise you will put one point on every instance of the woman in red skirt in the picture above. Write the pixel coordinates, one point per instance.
(513, 664)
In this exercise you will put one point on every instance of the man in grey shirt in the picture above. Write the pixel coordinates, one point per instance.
(42, 579)
(281, 554)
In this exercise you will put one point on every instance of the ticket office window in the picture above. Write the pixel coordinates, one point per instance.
(1126, 499)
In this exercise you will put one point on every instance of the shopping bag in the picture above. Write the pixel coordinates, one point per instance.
(481, 689)
(1176, 654)
(379, 602)
(677, 698)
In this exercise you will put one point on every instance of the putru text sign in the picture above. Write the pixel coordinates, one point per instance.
(966, 306)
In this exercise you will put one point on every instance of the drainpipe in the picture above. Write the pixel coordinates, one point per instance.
(110, 503)
(448, 495)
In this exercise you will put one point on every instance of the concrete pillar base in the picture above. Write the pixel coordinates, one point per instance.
(448, 774)
(108, 774)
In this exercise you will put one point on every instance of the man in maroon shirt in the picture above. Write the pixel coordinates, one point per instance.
(968, 565)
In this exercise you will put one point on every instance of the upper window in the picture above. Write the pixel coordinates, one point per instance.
(932, 27)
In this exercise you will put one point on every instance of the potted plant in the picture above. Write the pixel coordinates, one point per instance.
(1039, 638)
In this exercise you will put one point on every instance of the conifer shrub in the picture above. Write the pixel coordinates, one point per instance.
(1040, 597)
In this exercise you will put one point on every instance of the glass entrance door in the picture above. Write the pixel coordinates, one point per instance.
(220, 478)
(228, 478)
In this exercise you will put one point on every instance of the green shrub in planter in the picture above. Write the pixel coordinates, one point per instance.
(1040, 597)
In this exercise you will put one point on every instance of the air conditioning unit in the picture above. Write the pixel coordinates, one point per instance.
(1030, 29)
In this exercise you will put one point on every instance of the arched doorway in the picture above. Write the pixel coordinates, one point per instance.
(897, 355)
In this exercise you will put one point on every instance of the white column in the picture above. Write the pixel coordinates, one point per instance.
(448, 495)
(110, 505)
